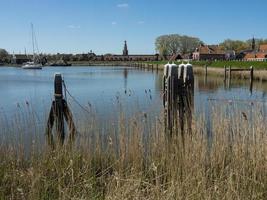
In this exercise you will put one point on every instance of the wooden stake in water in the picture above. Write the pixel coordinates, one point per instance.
(59, 117)
(251, 78)
(59, 110)
(225, 71)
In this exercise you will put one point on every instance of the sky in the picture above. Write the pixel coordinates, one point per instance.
(78, 26)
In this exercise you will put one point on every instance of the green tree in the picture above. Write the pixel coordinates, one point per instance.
(175, 43)
(236, 45)
(3, 55)
(189, 44)
(162, 45)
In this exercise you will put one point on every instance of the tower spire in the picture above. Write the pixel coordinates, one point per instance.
(253, 44)
(125, 49)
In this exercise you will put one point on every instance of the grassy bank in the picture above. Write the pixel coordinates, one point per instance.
(235, 64)
(221, 64)
(123, 164)
(217, 68)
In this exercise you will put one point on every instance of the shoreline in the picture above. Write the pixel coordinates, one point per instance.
(259, 74)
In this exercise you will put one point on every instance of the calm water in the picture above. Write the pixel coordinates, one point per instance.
(105, 91)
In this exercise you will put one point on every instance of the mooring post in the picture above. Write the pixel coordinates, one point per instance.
(206, 70)
(251, 73)
(229, 76)
(251, 78)
(230, 72)
(59, 112)
(225, 73)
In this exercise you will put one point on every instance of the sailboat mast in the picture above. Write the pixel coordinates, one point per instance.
(33, 53)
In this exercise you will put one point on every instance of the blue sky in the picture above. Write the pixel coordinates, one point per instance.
(76, 26)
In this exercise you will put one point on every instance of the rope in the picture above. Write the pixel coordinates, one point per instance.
(66, 91)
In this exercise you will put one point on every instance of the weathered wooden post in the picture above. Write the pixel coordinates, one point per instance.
(188, 74)
(251, 78)
(230, 72)
(164, 85)
(172, 96)
(225, 73)
(59, 110)
(59, 119)
(206, 70)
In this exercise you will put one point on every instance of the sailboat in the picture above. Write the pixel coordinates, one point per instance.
(33, 64)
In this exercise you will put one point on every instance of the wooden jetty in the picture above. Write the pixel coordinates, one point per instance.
(230, 70)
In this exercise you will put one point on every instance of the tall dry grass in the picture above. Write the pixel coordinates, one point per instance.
(138, 161)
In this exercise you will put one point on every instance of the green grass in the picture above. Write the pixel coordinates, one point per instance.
(221, 64)
(236, 64)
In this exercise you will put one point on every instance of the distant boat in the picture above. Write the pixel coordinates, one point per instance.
(33, 64)
(60, 63)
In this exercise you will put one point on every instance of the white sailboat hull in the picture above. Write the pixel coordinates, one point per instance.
(32, 66)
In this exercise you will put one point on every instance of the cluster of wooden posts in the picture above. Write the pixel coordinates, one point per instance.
(178, 97)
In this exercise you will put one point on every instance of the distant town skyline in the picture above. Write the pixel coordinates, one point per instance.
(78, 26)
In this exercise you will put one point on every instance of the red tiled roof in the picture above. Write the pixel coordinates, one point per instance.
(211, 49)
(261, 55)
(263, 47)
(250, 55)
(255, 55)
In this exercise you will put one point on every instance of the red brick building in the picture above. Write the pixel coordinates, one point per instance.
(260, 55)
(209, 52)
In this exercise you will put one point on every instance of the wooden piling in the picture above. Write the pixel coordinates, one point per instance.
(59, 119)
(225, 71)
(230, 72)
(59, 110)
(251, 78)
(251, 73)
(206, 70)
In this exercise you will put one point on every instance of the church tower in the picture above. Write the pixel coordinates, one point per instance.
(125, 49)
(253, 44)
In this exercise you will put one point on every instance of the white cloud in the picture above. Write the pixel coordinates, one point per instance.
(114, 23)
(71, 26)
(123, 5)
(140, 22)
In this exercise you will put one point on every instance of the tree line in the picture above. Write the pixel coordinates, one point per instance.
(165, 45)
(183, 44)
